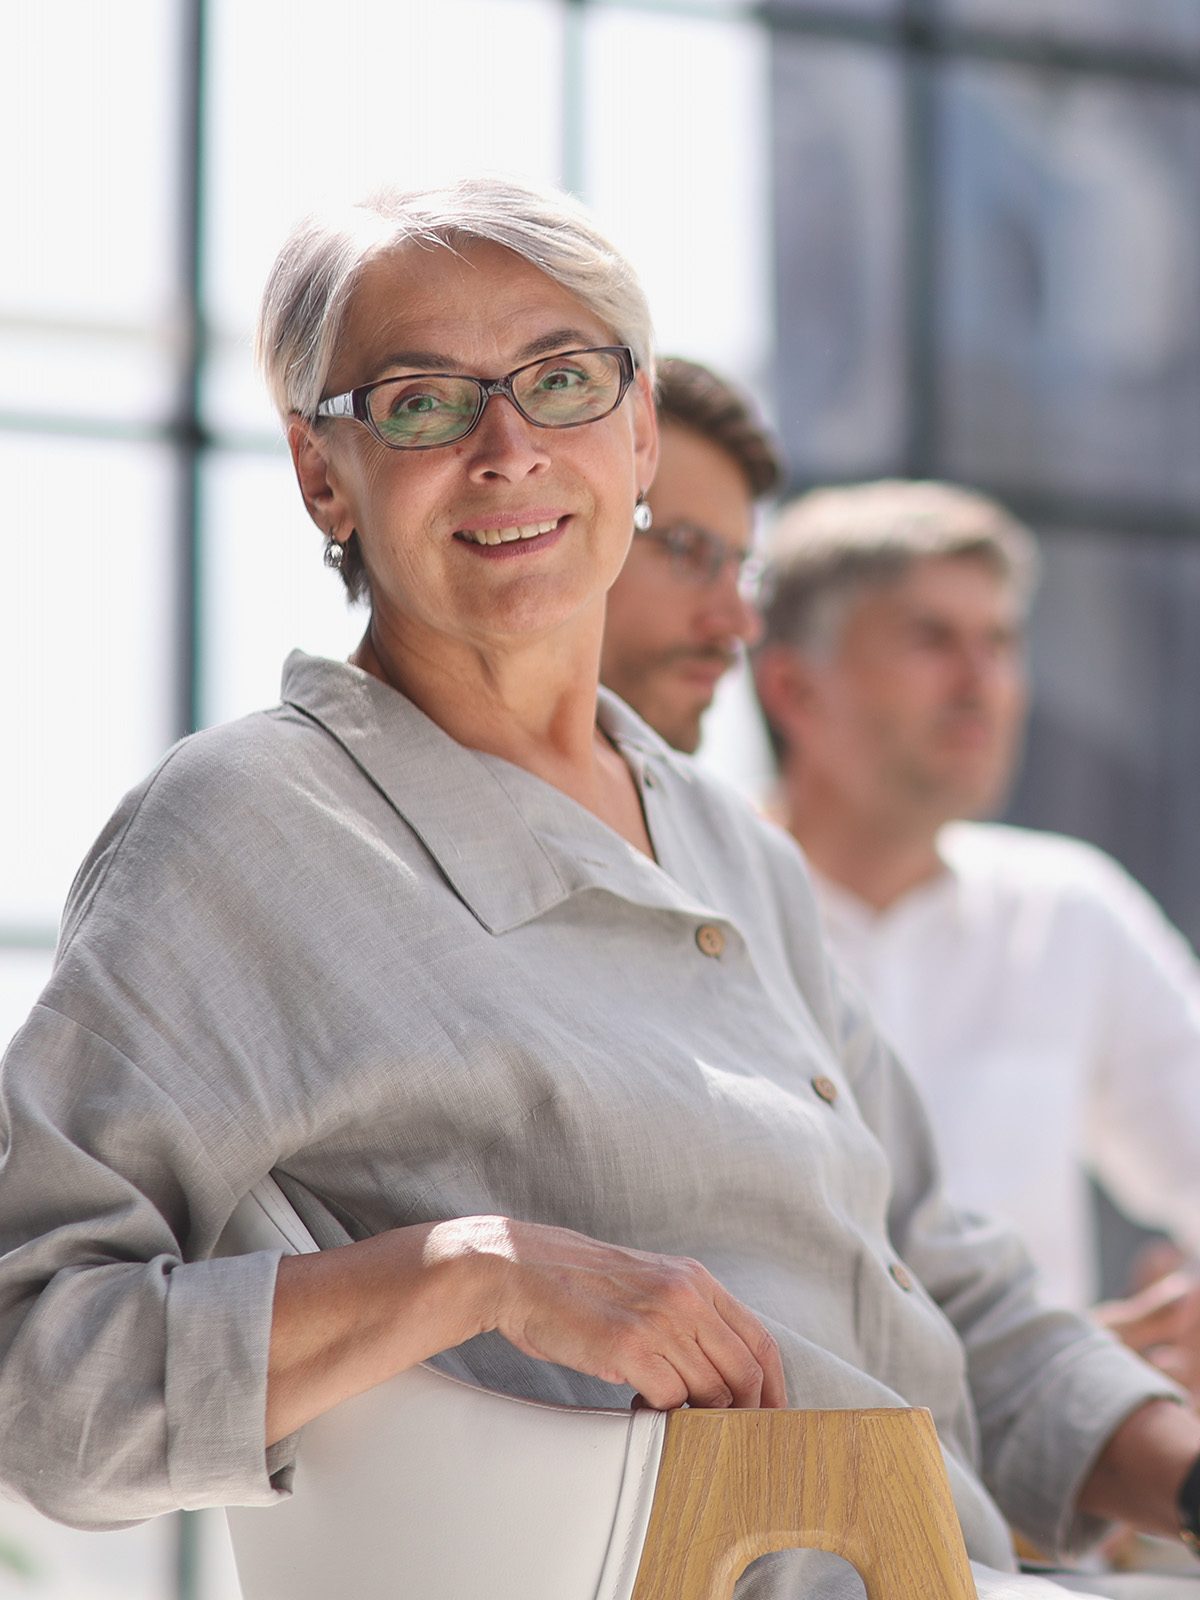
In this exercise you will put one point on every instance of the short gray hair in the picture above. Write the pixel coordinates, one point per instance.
(314, 276)
(829, 545)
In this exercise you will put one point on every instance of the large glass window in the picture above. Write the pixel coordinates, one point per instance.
(83, 640)
(1068, 272)
(838, 180)
(987, 268)
(1173, 23)
(87, 283)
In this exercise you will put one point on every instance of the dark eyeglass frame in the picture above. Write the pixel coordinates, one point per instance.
(683, 541)
(353, 403)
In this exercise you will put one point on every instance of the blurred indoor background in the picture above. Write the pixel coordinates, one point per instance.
(952, 237)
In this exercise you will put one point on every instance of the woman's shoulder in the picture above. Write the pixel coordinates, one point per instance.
(215, 778)
(210, 797)
(266, 749)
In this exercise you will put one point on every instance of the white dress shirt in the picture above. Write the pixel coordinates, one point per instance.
(1051, 1015)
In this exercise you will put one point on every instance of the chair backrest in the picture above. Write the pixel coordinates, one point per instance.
(463, 1491)
(428, 1487)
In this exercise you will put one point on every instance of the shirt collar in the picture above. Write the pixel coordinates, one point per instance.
(846, 912)
(511, 846)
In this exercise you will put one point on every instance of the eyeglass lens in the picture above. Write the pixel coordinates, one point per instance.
(701, 557)
(429, 409)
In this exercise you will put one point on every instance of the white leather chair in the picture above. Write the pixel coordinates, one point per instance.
(428, 1488)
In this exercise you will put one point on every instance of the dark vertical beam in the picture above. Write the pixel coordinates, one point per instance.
(186, 431)
(919, 64)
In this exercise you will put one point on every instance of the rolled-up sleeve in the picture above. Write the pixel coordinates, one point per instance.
(133, 1380)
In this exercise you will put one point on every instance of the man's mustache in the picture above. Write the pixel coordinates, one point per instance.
(709, 655)
(967, 711)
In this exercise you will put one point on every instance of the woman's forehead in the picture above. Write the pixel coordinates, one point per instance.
(434, 308)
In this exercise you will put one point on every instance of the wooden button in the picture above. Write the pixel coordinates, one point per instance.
(901, 1275)
(710, 940)
(826, 1088)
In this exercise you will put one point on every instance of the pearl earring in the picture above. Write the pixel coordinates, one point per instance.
(643, 517)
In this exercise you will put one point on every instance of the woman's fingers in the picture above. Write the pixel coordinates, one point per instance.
(715, 1344)
(763, 1349)
(661, 1324)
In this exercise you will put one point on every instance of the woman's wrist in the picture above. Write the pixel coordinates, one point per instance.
(467, 1261)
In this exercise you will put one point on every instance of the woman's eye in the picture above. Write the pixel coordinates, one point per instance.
(411, 404)
(562, 378)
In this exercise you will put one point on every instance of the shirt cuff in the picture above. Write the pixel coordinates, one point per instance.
(1085, 1394)
(218, 1345)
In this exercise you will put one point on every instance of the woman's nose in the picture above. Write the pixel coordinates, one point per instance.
(503, 443)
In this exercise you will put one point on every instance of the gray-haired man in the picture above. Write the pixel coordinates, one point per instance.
(1046, 1007)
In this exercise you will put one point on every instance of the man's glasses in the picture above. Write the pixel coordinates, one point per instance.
(423, 410)
(700, 557)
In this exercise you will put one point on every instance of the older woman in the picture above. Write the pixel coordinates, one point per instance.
(526, 1016)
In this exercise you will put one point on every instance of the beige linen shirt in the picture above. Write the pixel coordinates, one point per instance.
(416, 982)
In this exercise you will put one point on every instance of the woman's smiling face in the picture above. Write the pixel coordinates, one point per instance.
(421, 514)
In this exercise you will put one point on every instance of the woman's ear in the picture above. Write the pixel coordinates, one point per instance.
(318, 486)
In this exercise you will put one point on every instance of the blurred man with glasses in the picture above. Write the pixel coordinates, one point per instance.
(683, 606)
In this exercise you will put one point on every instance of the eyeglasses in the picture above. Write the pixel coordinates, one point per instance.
(700, 557)
(424, 410)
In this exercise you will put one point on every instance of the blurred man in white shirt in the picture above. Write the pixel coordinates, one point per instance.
(1044, 1004)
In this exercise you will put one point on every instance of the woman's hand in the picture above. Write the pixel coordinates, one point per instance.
(661, 1324)
(347, 1319)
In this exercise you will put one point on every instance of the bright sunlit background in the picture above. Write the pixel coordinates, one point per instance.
(958, 237)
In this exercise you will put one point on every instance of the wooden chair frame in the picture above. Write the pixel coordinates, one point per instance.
(869, 1486)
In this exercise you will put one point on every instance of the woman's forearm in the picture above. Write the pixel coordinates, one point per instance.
(347, 1319)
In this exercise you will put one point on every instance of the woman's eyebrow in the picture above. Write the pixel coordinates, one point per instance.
(560, 339)
(417, 360)
(439, 361)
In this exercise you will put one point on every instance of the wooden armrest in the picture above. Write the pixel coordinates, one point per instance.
(869, 1486)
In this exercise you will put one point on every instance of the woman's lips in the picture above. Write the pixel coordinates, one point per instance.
(513, 538)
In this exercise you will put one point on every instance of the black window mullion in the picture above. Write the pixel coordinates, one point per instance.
(187, 433)
(189, 443)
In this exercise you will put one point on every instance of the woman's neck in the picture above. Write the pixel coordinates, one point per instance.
(533, 705)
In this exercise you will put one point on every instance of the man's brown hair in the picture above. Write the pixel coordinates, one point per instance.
(693, 397)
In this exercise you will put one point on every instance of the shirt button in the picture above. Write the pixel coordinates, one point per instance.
(901, 1275)
(826, 1088)
(710, 940)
